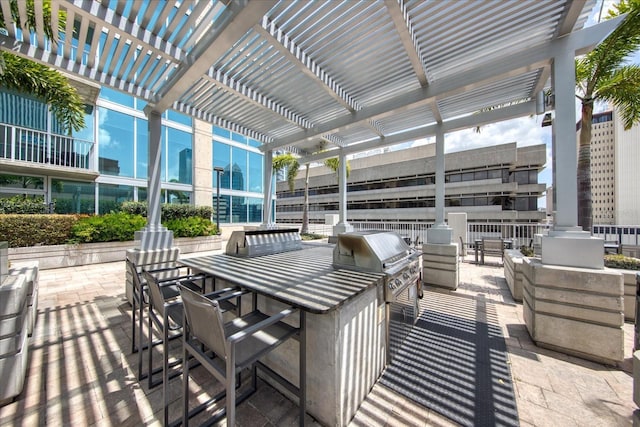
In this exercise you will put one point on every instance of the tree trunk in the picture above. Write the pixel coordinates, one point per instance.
(585, 217)
(305, 206)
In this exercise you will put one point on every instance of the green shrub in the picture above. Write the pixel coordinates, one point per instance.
(527, 251)
(134, 208)
(169, 211)
(113, 227)
(191, 227)
(23, 205)
(311, 236)
(36, 229)
(622, 262)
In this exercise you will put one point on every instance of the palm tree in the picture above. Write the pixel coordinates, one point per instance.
(290, 163)
(24, 75)
(604, 75)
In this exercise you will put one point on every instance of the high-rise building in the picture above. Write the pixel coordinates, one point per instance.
(615, 161)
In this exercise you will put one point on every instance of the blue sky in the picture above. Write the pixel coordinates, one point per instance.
(524, 131)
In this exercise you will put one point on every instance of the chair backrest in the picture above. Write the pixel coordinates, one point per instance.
(155, 293)
(133, 270)
(204, 318)
(492, 245)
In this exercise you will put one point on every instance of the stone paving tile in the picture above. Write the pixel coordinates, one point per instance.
(81, 371)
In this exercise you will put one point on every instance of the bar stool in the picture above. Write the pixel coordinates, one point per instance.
(235, 345)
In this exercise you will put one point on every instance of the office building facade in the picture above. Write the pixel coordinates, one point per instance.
(492, 184)
(93, 171)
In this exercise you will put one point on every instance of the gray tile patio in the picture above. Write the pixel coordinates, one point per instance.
(81, 373)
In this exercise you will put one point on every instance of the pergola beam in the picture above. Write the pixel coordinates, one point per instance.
(240, 18)
(483, 118)
(535, 58)
(305, 64)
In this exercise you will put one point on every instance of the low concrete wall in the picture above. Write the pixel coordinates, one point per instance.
(629, 294)
(56, 256)
(513, 272)
(440, 265)
(577, 311)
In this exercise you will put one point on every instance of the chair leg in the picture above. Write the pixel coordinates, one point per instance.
(185, 384)
(133, 323)
(140, 344)
(165, 368)
(231, 390)
(150, 351)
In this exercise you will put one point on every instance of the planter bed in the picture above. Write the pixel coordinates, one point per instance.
(56, 256)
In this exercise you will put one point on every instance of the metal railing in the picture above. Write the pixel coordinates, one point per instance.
(28, 145)
(521, 234)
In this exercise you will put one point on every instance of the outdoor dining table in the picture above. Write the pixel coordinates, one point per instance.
(304, 279)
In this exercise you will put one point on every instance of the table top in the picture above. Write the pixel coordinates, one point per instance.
(304, 278)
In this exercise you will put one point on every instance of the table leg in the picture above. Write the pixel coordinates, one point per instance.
(303, 367)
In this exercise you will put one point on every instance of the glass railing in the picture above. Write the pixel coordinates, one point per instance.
(28, 145)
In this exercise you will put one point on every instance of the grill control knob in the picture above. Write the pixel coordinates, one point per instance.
(405, 275)
(412, 270)
(397, 283)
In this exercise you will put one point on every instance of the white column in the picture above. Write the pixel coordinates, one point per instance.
(567, 244)
(343, 226)
(154, 235)
(440, 233)
(268, 196)
(566, 184)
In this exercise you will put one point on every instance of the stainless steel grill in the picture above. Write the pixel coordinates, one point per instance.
(250, 243)
(386, 252)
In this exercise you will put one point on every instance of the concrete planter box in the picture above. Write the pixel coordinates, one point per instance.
(574, 310)
(513, 272)
(440, 265)
(629, 293)
(56, 256)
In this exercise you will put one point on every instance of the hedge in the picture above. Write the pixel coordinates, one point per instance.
(169, 211)
(34, 230)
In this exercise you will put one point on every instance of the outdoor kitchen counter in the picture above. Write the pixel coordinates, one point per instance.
(305, 278)
(341, 315)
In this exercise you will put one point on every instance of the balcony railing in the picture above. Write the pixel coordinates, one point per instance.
(28, 145)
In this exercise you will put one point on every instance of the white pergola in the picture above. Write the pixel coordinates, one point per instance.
(330, 78)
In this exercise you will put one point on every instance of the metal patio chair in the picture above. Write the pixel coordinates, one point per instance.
(233, 346)
(166, 315)
(140, 299)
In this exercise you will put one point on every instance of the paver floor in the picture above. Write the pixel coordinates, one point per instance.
(81, 372)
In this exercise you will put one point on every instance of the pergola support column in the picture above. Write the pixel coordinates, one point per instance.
(267, 183)
(154, 235)
(342, 226)
(566, 243)
(439, 254)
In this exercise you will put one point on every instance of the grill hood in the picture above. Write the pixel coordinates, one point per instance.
(373, 250)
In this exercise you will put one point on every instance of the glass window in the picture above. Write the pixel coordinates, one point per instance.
(255, 209)
(238, 137)
(177, 197)
(110, 197)
(225, 204)
(180, 156)
(21, 182)
(73, 196)
(480, 175)
(115, 140)
(221, 132)
(239, 169)
(238, 209)
(140, 104)
(467, 176)
(142, 148)
(174, 116)
(222, 158)
(142, 194)
(533, 177)
(255, 172)
(254, 143)
(522, 177)
(495, 173)
(116, 96)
